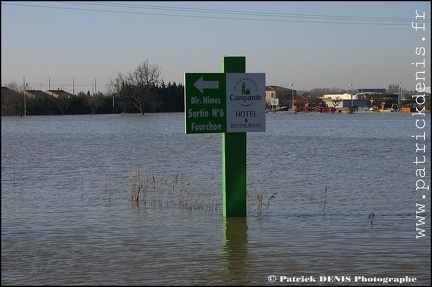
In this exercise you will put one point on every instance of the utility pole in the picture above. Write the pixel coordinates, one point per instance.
(113, 96)
(292, 96)
(25, 96)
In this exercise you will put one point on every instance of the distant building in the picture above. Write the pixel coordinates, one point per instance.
(377, 90)
(346, 100)
(360, 104)
(345, 96)
(58, 93)
(35, 93)
(283, 95)
(6, 92)
(339, 101)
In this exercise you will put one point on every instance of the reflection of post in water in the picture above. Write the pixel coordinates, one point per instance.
(235, 248)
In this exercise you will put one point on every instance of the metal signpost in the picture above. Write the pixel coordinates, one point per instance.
(231, 103)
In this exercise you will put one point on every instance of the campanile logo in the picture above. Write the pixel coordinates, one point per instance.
(246, 91)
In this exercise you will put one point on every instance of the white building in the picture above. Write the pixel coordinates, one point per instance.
(336, 100)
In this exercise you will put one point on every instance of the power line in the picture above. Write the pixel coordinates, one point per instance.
(241, 15)
(261, 14)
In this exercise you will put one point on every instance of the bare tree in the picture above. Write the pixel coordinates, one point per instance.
(63, 103)
(393, 88)
(319, 92)
(145, 80)
(122, 88)
(336, 102)
(94, 102)
(14, 86)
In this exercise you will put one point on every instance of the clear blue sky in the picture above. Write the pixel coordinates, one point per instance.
(309, 44)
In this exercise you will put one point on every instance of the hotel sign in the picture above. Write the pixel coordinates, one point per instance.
(224, 102)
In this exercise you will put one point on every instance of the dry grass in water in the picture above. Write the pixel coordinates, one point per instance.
(108, 190)
(17, 180)
(261, 203)
(156, 190)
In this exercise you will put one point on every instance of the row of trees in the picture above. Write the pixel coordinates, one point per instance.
(140, 91)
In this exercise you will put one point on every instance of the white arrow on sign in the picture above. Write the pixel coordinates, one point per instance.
(201, 84)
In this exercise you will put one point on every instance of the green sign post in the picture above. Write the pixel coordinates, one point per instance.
(231, 103)
(234, 156)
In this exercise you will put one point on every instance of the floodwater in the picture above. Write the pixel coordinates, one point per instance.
(68, 219)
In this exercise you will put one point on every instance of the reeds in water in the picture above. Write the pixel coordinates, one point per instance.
(325, 200)
(108, 190)
(156, 190)
(262, 203)
(159, 191)
(17, 182)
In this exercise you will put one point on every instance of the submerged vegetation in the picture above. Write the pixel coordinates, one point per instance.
(261, 202)
(154, 190)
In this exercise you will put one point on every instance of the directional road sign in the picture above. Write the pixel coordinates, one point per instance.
(224, 102)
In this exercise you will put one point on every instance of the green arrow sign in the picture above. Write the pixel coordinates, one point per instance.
(201, 84)
(205, 103)
(224, 102)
